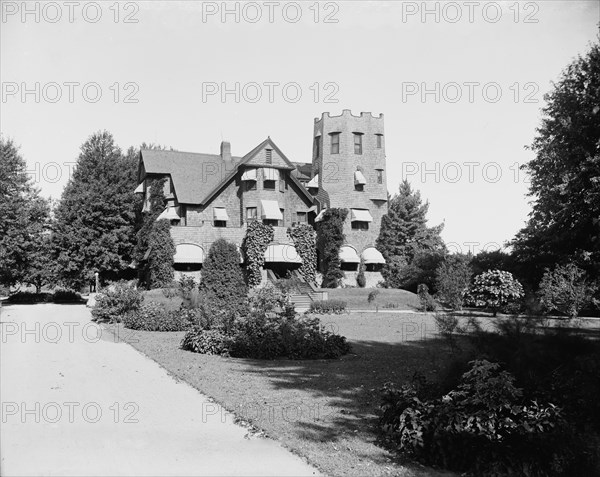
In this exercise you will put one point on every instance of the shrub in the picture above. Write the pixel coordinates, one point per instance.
(29, 297)
(361, 280)
(495, 289)
(421, 269)
(373, 294)
(200, 340)
(483, 426)
(330, 238)
(65, 295)
(187, 283)
(566, 290)
(325, 307)
(115, 302)
(304, 238)
(446, 324)
(162, 251)
(222, 281)
(427, 302)
(153, 316)
(452, 278)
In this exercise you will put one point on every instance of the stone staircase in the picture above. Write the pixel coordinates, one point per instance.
(305, 293)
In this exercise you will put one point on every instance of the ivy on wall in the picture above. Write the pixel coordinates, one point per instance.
(304, 238)
(257, 239)
(162, 251)
(330, 238)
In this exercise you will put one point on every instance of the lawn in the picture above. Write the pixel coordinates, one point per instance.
(323, 410)
(387, 298)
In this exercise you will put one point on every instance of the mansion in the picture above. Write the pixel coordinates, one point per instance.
(212, 196)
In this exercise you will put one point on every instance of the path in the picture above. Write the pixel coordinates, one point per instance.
(75, 402)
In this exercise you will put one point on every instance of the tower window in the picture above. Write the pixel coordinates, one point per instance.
(379, 140)
(358, 143)
(269, 184)
(335, 143)
(317, 146)
(250, 185)
(380, 176)
(269, 156)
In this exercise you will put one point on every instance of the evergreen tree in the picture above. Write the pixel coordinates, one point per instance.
(96, 215)
(162, 251)
(24, 216)
(404, 233)
(222, 280)
(565, 175)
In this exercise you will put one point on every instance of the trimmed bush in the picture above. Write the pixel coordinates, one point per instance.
(115, 302)
(65, 295)
(326, 307)
(29, 297)
(495, 289)
(153, 316)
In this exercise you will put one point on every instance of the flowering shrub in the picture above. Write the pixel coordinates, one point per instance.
(482, 426)
(495, 289)
(115, 302)
(326, 307)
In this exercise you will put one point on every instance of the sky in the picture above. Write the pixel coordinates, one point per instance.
(461, 86)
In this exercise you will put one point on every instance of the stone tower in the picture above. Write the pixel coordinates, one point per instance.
(349, 158)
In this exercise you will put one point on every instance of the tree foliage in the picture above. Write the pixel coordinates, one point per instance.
(495, 289)
(452, 278)
(566, 289)
(95, 218)
(404, 233)
(330, 238)
(24, 221)
(564, 224)
(304, 238)
(257, 239)
(162, 251)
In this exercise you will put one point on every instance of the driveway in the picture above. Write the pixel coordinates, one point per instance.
(77, 402)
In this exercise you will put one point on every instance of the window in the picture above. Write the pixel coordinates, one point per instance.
(379, 140)
(269, 156)
(273, 222)
(282, 184)
(317, 146)
(359, 187)
(301, 217)
(183, 215)
(220, 223)
(380, 176)
(269, 184)
(282, 221)
(335, 143)
(251, 214)
(358, 225)
(358, 143)
(250, 185)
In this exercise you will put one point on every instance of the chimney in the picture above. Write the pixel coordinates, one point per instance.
(225, 151)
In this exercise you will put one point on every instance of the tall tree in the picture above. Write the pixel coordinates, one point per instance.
(404, 233)
(162, 251)
(564, 224)
(95, 218)
(24, 216)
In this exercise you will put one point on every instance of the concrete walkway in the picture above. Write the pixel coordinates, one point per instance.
(75, 402)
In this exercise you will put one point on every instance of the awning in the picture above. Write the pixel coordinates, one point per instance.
(220, 213)
(169, 213)
(270, 174)
(282, 254)
(359, 178)
(188, 253)
(349, 255)
(270, 210)
(372, 255)
(139, 189)
(319, 217)
(249, 175)
(361, 215)
(314, 182)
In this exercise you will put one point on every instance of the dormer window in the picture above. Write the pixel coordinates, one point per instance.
(379, 138)
(335, 143)
(358, 143)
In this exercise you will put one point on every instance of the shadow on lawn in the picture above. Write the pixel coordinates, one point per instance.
(345, 393)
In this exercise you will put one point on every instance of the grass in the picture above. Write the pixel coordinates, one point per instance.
(322, 410)
(356, 298)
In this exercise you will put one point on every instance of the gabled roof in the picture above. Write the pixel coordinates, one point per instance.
(194, 175)
(197, 178)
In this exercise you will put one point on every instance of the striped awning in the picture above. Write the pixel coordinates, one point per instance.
(188, 253)
(270, 174)
(220, 213)
(361, 215)
(319, 217)
(314, 182)
(169, 213)
(270, 210)
(349, 255)
(139, 189)
(359, 178)
(372, 255)
(281, 253)
(249, 175)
